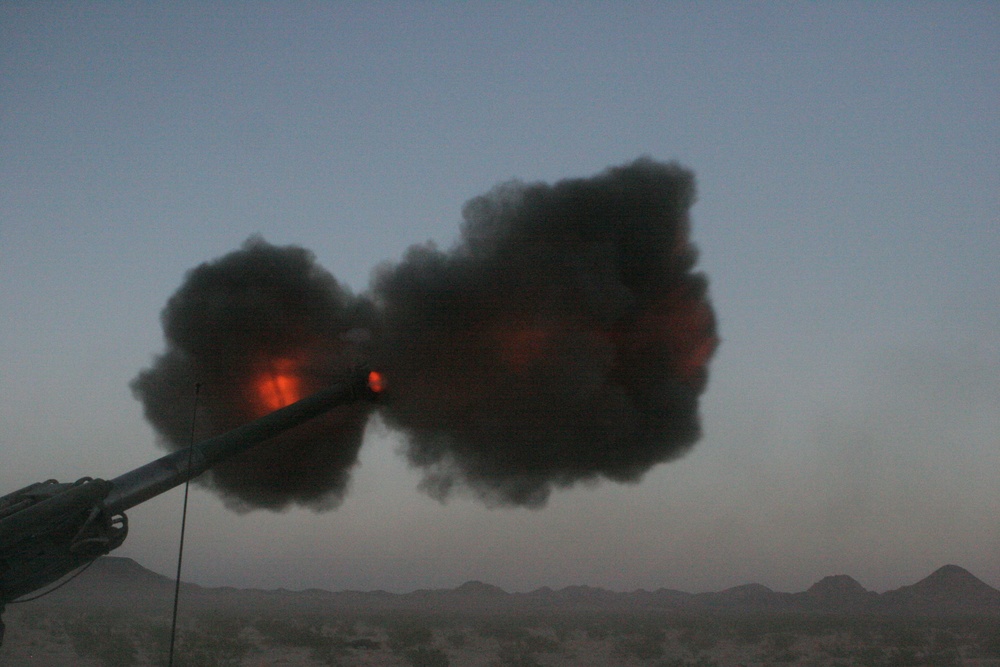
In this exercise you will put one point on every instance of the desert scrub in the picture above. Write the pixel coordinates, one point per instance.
(106, 636)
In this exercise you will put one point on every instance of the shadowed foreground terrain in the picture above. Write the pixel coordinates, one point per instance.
(118, 613)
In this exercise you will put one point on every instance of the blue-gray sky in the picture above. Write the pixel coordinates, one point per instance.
(848, 218)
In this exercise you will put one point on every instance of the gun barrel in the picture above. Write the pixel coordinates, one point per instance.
(163, 474)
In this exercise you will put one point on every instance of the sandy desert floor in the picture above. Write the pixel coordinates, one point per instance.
(49, 636)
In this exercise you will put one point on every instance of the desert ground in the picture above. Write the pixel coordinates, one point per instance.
(44, 635)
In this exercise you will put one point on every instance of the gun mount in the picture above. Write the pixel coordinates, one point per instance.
(49, 529)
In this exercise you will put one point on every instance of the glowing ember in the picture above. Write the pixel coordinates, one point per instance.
(682, 324)
(524, 347)
(280, 386)
(376, 382)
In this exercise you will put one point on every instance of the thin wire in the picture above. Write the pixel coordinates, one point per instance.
(180, 549)
(57, 587)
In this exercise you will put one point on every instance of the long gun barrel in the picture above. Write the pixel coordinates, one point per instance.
(145, 482)
(49, 529)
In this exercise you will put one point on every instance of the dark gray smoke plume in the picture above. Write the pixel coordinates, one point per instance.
(565, 338)
(259, 328)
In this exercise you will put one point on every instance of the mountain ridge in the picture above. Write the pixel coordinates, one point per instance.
(948, 590)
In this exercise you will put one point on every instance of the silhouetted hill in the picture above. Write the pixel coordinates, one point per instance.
(950, 589)
(112, 573)
(838, 592)
(748, 597)
(479, 589)
(114, 581)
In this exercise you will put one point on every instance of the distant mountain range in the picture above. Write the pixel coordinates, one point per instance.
(948, 590)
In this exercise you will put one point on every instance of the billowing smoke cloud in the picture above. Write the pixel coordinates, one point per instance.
(565, 338)
(257, 329)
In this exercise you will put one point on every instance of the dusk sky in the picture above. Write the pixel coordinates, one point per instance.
(847, 157)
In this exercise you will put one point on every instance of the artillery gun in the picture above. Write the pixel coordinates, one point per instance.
(49, 529)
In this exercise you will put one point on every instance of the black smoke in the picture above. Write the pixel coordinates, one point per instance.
(564, 338)
(255, 312)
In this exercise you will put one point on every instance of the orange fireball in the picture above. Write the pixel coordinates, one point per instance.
(279, 386)
(376, 382)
